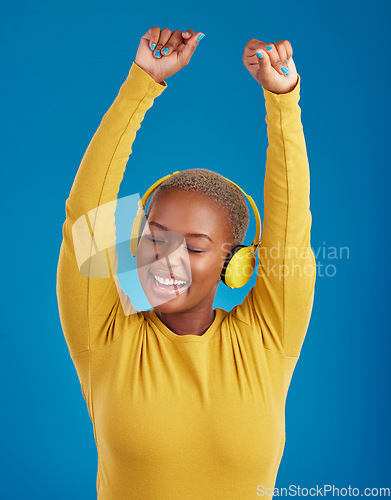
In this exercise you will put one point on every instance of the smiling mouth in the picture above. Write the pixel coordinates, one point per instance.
(168, 286)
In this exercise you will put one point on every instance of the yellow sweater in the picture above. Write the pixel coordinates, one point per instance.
(189, 417)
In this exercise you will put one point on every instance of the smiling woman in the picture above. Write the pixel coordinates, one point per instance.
(187, 400)
(206, 230)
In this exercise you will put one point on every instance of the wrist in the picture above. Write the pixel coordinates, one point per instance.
(157, 80)
(289, 90)
(285, 100)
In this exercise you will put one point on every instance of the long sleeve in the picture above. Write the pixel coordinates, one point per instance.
(280, 303)
(88, 293)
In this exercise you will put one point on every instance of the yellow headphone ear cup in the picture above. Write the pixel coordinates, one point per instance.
(239, 266)
(136, 231)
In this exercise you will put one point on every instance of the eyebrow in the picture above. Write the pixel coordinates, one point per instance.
(197, 235)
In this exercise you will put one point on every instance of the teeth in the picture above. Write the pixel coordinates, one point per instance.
(166, 281)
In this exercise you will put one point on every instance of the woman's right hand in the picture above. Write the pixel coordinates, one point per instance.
(180, 44)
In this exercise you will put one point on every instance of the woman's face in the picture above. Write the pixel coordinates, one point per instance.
(187, 238)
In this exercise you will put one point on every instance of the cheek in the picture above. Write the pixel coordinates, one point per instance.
(145, 255)
(207, 268)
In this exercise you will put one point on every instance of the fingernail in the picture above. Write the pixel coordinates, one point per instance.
(153, 46)
(284, 70)
(165, 51)
(259, 54)
(157, 53)
(187, 33)
(268, 47)
(200, 37)
(287, 60)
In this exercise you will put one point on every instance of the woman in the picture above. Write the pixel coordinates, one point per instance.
(188, 401)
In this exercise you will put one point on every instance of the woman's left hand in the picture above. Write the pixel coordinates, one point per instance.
(271, 70)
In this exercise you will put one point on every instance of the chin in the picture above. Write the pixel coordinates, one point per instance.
(168, 308)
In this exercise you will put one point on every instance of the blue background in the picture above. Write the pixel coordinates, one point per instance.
(63, 65)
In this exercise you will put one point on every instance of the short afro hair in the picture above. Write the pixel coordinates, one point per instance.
(216, 187)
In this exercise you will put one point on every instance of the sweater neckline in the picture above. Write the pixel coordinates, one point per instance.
(186, 338)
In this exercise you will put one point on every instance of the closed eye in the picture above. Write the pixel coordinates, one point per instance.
(156, 241)
(194, 251)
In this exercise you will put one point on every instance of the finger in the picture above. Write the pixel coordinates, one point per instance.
(291, 64)
(253, 46)
(255, 54)
(289, 50)
(173, 42)
(154, 34)
(165, 34)
(186, 35)
(179, 47)
(189, 46)
(263, 61)
(275, 58)
(282, 52)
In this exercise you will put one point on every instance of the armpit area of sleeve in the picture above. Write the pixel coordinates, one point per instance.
(290, 99)
(139, 80)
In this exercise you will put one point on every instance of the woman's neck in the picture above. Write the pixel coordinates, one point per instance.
(189, 322)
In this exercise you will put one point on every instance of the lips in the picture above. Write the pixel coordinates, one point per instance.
(166, 292)
(160, 273)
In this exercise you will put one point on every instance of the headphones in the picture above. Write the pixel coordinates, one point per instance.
(239, 264)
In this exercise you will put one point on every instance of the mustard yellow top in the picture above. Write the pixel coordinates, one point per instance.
(188, 417)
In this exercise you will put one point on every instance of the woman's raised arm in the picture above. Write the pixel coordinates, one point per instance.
(280, 303)
(86, 289)
(91, 303)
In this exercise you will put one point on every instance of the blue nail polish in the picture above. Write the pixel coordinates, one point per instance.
(284, 70)
(157, 53)
(165, 50)
(268, 47)
(153, 46)
(259, 54)
(287, 60)
(187, 33)
(200, 37)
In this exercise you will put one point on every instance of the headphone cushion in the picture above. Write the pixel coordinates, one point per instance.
(239, 266)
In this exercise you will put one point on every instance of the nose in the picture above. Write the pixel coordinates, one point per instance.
(178, 255)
